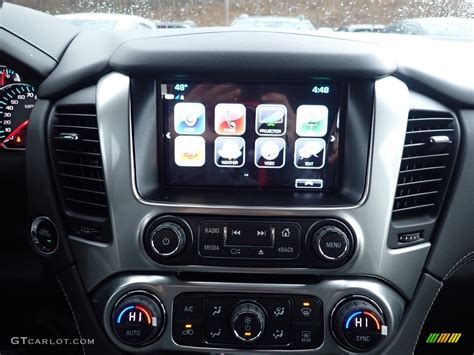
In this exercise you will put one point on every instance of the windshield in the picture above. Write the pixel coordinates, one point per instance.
(447, 18)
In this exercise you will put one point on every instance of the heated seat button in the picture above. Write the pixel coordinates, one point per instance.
(218, 332)
(307, 335)
(188, 307)
(187, 332)
(306, 309)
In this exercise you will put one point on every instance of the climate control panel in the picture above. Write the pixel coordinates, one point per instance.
(247, 320)
(293, 242)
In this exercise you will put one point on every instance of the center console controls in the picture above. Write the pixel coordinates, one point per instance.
(292, 242)
(248, 320)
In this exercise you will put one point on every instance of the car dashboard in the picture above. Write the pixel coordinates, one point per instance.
(221, 190)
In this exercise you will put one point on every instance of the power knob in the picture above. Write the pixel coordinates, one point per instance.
(167, 239)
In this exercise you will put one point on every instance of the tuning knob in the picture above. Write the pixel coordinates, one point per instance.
(332, 241)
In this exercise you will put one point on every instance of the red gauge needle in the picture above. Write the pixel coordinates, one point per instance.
(16, 131)
(2, 80)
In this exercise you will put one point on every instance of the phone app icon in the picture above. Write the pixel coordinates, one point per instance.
(310, 153)
(230, 119)
(229, 152)
(270, 120)
(189, 151)
(270, 153)
(189, 118)
(312, 120)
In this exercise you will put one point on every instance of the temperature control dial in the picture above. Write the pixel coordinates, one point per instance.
(138, 318)
(248, 322)
(358, 324)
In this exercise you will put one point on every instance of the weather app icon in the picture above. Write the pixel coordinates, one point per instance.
(310, 153)
(189, 118)
(271, 120)
(229, 152)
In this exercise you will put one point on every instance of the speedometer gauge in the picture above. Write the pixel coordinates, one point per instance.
(8, 76)
(16, 103)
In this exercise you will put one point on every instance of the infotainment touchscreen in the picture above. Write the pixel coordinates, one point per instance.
(250, 135)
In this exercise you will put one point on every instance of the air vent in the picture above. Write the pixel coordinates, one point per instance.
(427, 162)
(78, 160)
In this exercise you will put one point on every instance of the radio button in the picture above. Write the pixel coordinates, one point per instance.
(212, 230)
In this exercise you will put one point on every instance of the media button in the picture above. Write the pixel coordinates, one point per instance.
(209, 248)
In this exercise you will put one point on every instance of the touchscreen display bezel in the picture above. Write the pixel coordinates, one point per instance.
(162, 164)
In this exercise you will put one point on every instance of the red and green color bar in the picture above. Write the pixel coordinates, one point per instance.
(443, 338)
